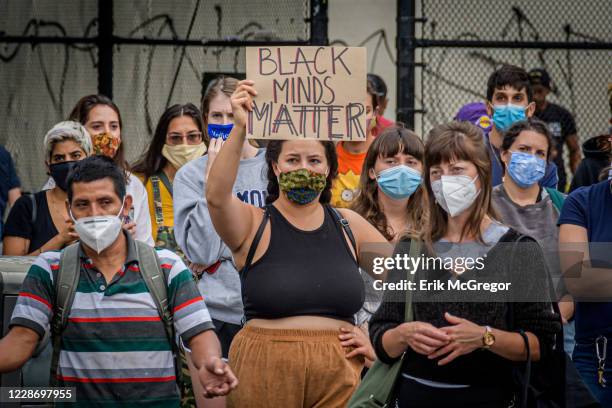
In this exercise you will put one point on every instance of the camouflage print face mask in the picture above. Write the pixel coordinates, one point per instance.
(302, 186)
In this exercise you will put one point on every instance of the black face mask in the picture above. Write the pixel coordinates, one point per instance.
(59, 172)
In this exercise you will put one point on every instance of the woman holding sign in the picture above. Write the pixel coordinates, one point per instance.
(301, 285)
(457, 347)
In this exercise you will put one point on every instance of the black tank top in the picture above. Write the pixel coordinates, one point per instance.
(302, 273)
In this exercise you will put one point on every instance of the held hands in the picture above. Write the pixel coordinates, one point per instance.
(358, 340)
(216, 378)
(464, 336)
(242, 101)
(423, 337)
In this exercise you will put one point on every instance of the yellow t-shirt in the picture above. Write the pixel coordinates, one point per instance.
(346, 185)
(167, 207)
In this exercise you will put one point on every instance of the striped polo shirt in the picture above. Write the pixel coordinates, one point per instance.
(115, 350)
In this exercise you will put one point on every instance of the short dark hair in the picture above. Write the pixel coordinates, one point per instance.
(97, 168)
(533, 124)
(509, 75)
(379, 84)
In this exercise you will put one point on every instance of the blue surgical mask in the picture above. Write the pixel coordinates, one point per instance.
(219, 131)
(505, 116)
(526, 169)
(399, 182)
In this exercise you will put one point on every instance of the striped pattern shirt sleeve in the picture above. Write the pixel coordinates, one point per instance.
(190, 314)
(34, 308)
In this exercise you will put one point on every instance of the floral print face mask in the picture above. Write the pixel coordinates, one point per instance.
(106, 144)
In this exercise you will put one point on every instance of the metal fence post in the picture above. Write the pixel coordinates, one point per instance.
(105, 47)
(318, 22)
(405, 61)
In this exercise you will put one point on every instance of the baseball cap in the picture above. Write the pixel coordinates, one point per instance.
(476, 114)
(539, 76)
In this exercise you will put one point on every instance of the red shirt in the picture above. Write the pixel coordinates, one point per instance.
(381, 124)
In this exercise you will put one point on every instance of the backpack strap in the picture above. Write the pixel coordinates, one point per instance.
(346, 227)
(66, 282)
(557, 197)
(255, 243)
(150, 269)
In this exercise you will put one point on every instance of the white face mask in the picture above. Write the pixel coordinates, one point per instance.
(99, 231)
(455, 194)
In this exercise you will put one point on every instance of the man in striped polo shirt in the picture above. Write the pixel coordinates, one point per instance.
(114, 348)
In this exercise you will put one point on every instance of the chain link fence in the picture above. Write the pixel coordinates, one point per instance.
(42, 82)
(454, 75)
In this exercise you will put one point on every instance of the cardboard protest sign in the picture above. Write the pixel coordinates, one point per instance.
(307, 92)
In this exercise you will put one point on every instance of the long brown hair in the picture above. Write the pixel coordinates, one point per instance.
(152, 161)
(80, 113)
(389, 143)
(451, 142)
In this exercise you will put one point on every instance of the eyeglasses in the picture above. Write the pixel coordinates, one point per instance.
(179, 138)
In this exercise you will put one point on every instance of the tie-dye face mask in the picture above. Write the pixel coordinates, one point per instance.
(302, 186)
(106, 144)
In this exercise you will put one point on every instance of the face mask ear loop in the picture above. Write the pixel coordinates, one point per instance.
(121, 210)
(71, 215)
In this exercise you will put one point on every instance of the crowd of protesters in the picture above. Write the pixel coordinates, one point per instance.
(263, 253)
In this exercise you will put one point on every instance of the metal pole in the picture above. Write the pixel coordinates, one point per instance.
(105, 47)
(405, 61)
(318, 22)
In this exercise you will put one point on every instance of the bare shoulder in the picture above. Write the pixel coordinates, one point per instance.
(363, 230)
(350, 215)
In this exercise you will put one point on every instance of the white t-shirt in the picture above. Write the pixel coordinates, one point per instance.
(139, 213)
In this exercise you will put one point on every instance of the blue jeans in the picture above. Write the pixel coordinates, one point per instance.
(585, 360)
(569, 331)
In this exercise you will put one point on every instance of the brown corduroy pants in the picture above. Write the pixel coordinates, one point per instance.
(291, 369)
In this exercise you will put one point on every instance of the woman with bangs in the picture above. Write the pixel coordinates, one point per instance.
(390, 197)
(461, 347)
(299, 270)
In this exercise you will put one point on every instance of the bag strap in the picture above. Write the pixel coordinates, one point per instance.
(66, 282)
(150, 269)
(157, 202)
(167, 183)
(345, 225)
(527, 373)
(415, 251)
(556, 197)
(255, 243)
(380, 394)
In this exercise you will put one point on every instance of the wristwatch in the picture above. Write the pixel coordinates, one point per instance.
(488, 338)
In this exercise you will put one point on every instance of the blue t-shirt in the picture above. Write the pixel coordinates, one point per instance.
(8, 181)
(591, 207)
(550, 178)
